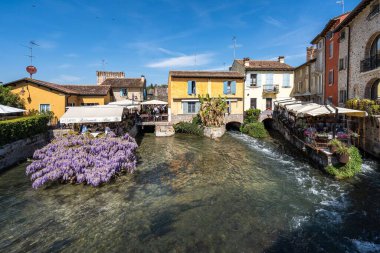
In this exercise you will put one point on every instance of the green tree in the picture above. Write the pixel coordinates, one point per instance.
(10, 99)
(212, 111)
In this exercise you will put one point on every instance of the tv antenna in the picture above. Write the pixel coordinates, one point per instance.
(103, 64)
(32, 44)
(234, 45)
(341, 2)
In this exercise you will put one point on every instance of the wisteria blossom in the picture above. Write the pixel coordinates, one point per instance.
(83, 159)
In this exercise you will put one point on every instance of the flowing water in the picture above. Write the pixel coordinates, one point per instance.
(191, 194)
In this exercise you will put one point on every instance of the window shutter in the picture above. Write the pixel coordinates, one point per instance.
(197, 107)
(258, 80)
(269, 79)
(286, 80)
(126, 91)
(225, 87)
(233, 87)
(121, 92)
(248, 80)
(185, 107)
(189, 90)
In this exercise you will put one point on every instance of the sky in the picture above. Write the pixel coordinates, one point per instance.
(151, 37)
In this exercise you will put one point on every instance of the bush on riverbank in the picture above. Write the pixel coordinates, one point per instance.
(256, 130)
(188, 128)
(20, 128)
(349, 169)
(83, 159)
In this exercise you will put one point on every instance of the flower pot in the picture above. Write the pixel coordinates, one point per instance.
(344, 158)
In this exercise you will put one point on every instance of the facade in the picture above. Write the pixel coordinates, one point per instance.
(44, 96)
(265, 81)
(361, 47)
(327, 43)
(319, 71)
(158, 93)
(123, 88)
(184, 87)
(304, 82)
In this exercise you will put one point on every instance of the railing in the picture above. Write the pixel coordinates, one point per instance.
(271, 88)
(162, 117)
(370, 63)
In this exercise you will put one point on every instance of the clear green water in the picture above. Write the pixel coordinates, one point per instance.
(191, 194)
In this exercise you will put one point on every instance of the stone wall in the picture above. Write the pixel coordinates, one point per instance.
(18, 151)
(362, 32)
(370, 140)
(164, 130)
(343, 54)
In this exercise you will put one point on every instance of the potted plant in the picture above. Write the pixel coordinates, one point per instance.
(334, 144)
(354, 138)
(344, 155)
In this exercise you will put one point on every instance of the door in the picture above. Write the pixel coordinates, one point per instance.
(269, 103)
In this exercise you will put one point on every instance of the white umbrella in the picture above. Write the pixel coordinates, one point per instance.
(126, 102)
(154, 102)
(9, 110)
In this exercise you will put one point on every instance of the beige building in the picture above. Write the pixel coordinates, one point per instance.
(122, 87)
(359, 52)
(265, 81)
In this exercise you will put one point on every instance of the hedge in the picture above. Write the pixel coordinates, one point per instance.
(348, 170)
(187, 128)
(256, 130)
(20, 128)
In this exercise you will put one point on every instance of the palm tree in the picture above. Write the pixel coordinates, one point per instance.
(212, 111)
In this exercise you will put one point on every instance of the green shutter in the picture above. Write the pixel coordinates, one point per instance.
(185, 108)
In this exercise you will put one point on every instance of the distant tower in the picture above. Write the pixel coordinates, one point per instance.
(31, 69)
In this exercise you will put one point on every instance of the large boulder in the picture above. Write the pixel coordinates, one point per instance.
(214, 132)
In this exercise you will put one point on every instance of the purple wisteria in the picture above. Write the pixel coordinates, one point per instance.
(83, 159)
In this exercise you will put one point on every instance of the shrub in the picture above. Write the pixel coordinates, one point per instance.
(10, 99)
(187, 128)
(197, 120)
(83, 159)
(256, 130)
(252, 115)
(349, 169)
(20, 128)
(212, 111)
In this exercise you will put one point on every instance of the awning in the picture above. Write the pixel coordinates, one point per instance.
(154, 102)
(9, 110)
(92, 114)
(125, 102)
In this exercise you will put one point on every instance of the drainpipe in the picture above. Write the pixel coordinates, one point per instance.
(348, 63)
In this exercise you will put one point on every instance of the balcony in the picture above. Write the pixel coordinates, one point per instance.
(271, 89)
(370, 63)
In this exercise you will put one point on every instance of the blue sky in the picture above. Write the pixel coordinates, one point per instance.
(151, 37)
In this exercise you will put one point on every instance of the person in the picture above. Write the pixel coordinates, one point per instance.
(84, 129)
(107, 130)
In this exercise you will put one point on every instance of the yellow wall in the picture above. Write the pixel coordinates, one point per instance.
(79, 100)
(35, 95)
(213, 86)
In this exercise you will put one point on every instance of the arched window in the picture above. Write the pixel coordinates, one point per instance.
(375, 48)
(375, 90)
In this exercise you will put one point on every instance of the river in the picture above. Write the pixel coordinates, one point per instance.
(191, 194)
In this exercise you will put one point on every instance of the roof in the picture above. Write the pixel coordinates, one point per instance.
(328, 26)
(363, 4)
(306, 63)
(93, 90)
(206, 74)
(91, 114)
(124, 82)
(266, 65)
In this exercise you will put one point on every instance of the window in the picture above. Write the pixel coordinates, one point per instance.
(229, 87)
(299, 88)
(191, 88)
(331, 77)
(319, 45)
(342, 35)
(191, 107)
(229, 107)
(342, 96)
(375, 48)
(254, 80)
(286, 81)
(253, 103)
(44, 107)
(341, 64)
(329, 35)
(375, 9)
(331, 50)
(269, 103)
(71, 104)
(89, 104)
(123, 92)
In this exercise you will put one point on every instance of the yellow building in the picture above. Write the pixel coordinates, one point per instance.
(44, 96)
(184, 87)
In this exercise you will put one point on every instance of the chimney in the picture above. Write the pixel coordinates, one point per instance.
(310, 53)
(281, 59)
(142, 78)
(103, 75)
(246, 61)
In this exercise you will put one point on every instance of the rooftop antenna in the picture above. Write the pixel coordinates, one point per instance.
(104, 64)
(341, 2)
(31, 69)
(234, 40)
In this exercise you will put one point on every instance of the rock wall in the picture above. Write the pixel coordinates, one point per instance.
(164, 130)
(214, 132)
(18, 151)
(370, 140)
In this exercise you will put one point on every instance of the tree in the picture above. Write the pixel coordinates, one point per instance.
(10, 99)
(212, 111)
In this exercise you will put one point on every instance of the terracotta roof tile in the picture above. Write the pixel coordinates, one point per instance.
(266, 65)
(124, 82)
(206, 74)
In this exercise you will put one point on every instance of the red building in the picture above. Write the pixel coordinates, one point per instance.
(331, 59)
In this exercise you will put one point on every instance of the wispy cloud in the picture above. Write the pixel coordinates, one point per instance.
(63, 78)
(169, 52)
(182, 61)
(272, 21)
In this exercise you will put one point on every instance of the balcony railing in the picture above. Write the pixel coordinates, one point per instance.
(370, 63)
(271, 88)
